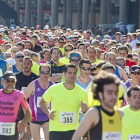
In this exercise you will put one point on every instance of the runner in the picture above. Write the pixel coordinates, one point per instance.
(103, 121)
(66, 99)
(57, 67)
(10, 101)
(131, 129)
(34, 92)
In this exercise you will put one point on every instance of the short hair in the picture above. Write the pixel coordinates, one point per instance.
(61, 38)
(107, 66)
(28, 41)
(117, 33)
(91, 47)
(44, 65)
(29, 58)
(69, 66)
(120, 58)
(69, 45)
(44, 42)
(46, 50)
(114, 49)
(88, 31)
(7, 53)
(123, 48)
(20, 44)
(24, 33)
(14, 47)
(135, 88)
(82, 61)
(99, 65)
(81, 44)
(54, 48)
(34, 54)
(34, 36)
(103, 78)
(0, 35)
(93, 67)
(8, 45)
(134, 34)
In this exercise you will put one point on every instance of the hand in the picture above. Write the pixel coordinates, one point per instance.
(31, 119)
(21, 126)
(84, 107)
(51, 115)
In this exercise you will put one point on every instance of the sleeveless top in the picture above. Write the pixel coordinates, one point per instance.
(128, 85)
(109, 126)
(37, 113)
(117, 72)
(14, 69)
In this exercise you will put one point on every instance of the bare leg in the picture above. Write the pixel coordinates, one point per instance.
(45, 127)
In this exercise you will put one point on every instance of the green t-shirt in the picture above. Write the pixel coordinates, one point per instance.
(35, 68)
(66, 103)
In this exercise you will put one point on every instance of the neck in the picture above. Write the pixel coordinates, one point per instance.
(68, 85)
(135, 82)
(131, 108)
(56, 62)
(83, 78)
(8, 92)
(107, 108)
(92, 60)
(42, 81)
(27, 73)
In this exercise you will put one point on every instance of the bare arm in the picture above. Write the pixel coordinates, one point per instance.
(43, 106)
(86, 123)
(123, 74)
(30, 90)
(55, 78)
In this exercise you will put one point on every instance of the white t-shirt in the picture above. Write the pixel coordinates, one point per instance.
(11, 61)
(133, 44)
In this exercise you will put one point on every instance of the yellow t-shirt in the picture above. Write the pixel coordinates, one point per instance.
(66, 103)
(97, 61)
(64, 60)
(9, 50)
(93, 102)
(62, 50)
(35, 68)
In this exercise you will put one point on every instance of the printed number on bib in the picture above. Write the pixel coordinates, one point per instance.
(7, 129)
(23, 89)
(112, 136)
(134, 137)
(38, 101)
(1, 73)
(67, 117)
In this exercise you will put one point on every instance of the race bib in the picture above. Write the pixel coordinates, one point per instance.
(112, 136)
(67, 117)
(57, 75)
(1, 73)
(7, 129)
(134, 137)
(38, 101)
(23, 89)
(126, 69)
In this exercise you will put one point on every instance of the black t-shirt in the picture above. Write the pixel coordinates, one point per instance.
(36, 49)
(23, 81)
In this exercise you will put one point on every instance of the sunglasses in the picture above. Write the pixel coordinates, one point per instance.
(75, 60)
(44, 72)
(136, 73)
(121, 64)
(93, 74)
(61, 42)
(74, 40)
(68, 50)
(84, 68)
(10, 81)
(19, 56)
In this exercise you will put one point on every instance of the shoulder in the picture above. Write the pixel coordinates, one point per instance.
(61, 63)
(34, 75)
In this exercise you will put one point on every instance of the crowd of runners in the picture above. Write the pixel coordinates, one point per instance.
(72, 84)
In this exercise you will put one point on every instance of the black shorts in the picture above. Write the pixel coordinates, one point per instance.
(14, 137)
(39, 122)
(66, 135)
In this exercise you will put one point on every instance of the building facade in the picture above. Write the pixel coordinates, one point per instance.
(73, 13)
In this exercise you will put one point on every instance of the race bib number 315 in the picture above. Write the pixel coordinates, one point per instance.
(7, 129)
(67, 117)
(112, 136)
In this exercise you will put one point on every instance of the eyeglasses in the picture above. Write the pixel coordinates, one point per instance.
(19, 56)
(27, 54)
(8, 56)
(14, 51)
(61, 42)
(136, 73)
(44, 72)
(84, 68)
(93, 74)
(68, 50)
(74, 40)
(121, 64)
(75, 60)
(12, 81)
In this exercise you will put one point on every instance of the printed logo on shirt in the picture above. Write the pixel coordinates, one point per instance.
(38, 89)
(111, 121)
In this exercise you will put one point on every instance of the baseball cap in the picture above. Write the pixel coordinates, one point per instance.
(135, 68)
(7, 75)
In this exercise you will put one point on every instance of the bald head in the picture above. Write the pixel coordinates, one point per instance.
(111, 58)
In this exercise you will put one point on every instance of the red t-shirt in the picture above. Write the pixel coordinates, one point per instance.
(2, 42)
(130, 63)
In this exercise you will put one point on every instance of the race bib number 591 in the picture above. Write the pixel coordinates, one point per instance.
(67, 117)
(7, 129)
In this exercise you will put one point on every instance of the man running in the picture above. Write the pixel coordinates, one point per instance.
(10, 101)
(131, 128)
(103, 122)
(34, 92)
(66, 99)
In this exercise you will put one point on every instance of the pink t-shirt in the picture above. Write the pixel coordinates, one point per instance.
(9, 105)
(42, 61)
